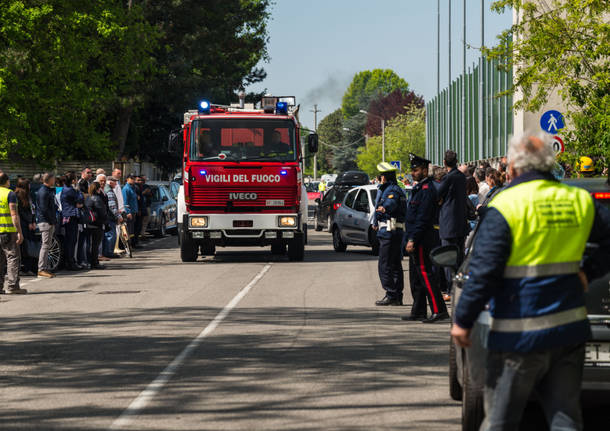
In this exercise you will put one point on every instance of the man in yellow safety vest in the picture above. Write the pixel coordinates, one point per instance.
(10, 238)
(527, 266)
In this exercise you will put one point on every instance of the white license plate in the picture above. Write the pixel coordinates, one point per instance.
(197, 234)
(274, 203)
(598, 353)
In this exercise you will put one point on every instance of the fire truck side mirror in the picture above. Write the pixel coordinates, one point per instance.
(173, 141)
(312, 143)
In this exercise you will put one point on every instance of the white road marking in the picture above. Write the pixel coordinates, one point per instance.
(147, 395)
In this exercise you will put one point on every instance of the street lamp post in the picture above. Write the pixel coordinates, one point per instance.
(382, 132)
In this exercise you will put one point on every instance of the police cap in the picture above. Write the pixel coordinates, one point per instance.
(386, 167)
(418, 162)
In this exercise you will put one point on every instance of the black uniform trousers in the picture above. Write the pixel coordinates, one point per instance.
(424, 281)
(390, 265)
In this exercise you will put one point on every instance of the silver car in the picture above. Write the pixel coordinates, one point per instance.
(352, 222)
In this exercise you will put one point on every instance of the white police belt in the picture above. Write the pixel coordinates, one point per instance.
(391, 225)
(539, 323)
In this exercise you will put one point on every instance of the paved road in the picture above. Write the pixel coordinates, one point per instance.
(304, 349)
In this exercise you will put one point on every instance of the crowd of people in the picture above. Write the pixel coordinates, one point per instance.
(83, 212)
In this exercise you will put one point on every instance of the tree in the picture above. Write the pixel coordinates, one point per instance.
(387, 107)
(330, 131)
(370, 84)
(353, 137)
(405, 133)
(208, 50)
(62, 63)
(564, 47)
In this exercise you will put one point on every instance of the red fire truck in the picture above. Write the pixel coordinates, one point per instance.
(242, 179)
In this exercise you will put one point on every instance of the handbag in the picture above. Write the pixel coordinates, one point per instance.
(86, 216)
(32, 247)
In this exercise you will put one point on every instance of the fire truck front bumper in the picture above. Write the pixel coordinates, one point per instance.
(254, 229)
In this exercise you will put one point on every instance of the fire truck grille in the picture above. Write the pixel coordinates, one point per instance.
(205, 196)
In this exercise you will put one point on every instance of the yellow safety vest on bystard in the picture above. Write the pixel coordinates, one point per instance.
(6, 221)
(541, 303)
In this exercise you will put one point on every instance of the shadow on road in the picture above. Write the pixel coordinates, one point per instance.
(261, 353)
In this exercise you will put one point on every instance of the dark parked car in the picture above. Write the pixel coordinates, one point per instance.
(467, 366)
(331, 201)
(164, 212)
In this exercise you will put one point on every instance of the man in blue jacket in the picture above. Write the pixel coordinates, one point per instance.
(453, 223)
(526, 264)
(46, 217)
(389, 221)
(130, 199)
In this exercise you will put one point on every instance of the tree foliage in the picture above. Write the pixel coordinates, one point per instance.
(563, 45)
(62, 65)
(208, 50)
(330, 131)
(110, 77)
(404, 134)
(368, 85)
(387, 107)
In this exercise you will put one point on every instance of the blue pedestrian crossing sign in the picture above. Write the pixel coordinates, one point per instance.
(397, 165)
(552, 122)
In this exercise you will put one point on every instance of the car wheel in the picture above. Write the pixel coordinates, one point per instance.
(54, 258)
(316, 224)
(473, 411)
(329, 224)
(455, 389)
(160, 232)
(338, 243)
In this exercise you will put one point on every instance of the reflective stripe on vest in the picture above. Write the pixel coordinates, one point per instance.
(550, 223)
(6, 221)
(539, 323)
(542, 270)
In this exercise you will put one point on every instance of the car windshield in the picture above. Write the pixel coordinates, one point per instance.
(243, 140)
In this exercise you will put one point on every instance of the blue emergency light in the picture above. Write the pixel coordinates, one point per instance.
(283, 172)
(203, 172)
(281, 108)
(204, 107)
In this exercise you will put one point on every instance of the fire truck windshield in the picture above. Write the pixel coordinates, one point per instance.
(242, 140)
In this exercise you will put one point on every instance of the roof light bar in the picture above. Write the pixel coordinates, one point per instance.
(204, 107)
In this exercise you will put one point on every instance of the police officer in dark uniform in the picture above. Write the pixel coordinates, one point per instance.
(422, 220)
(389, 222)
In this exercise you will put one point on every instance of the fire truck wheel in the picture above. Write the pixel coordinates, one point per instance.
(188, 248)
(296, 248)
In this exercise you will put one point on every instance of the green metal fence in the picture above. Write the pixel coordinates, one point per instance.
(469, 117)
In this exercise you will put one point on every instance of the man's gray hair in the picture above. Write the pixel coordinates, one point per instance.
(531, 153)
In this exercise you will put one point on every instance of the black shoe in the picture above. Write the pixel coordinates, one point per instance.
(436, 317)
(388, 301)
(98, 266)
(411, 318)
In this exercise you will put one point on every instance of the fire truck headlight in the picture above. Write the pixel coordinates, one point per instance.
(287, 221)
(198, 222)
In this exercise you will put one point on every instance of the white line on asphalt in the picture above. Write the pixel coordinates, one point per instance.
(146, 396)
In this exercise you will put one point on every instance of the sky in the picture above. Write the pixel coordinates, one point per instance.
(317, 46)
